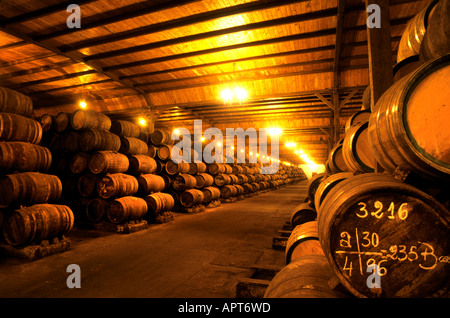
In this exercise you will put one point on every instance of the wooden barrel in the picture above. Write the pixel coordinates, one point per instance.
(15, 102)
(89, 119)
(163, 152)
(304, 240)
(326, 184)
(191, 197)
(152, 151)
(173, 168)
(239, 189)
(15, 127)
(306, 277)
(24, 156)
(117, 184)
(99, 140)
(242, 178)
(126, 208)
(367, 99)
(356, 149)
(124, 128)
(313, 184)
(79, 162)
(142, 164)
(237, 169)
(210, 194)
(356, 118)
(255, 186)
(414, 32)
(247, 188)
(403, 133)
(216, 168)
(197, 167)
(302, 213)
(228, 191)
(228, 168)
(108, 162)
(38, 222)
(160, 167)
(71, 141)
(62, 122)
(161, 136)
(436, 41)
(87, 185)
(46, 121)
(184, 182)
(149, 183)
(28, 188)
(372, 218)
(203, 180)
(408, 65)
(167, 180)
(159, 202)
(133, 146)
(336, 160)
(222, 179)
(96, 210)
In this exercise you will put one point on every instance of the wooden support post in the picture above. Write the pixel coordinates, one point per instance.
(336, 121)
(380, 50)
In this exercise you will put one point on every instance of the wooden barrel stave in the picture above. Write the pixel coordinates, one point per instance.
(12, 101)
(23, 156)
(15, 127)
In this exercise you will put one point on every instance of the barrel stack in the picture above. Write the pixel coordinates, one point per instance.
(383, 213)
(32, 222)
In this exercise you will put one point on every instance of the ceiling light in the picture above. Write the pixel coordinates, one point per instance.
(142, 121)
(82, 104)
(275, 131)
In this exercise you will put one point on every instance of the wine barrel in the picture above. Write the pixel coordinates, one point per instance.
(116, 185)
(173, 168)
(239, 190)
(167, 181)
(237, 169)
(228, 191)
(123, 128)
(408, 65)
(313, 184)
(161, 136)
(96, 210)
(367, 99)
(46, 121)
(326, 184)
(255, 186)
(28, 188)
(222, 179)
(99, 140)
(203, 180)
(79, 162)
(133, 146)
(216, 168)
(149, 183)
(89, 119)
(242, 178)
(304, 240)
(197, 167)
(163, 152)
(336, 160)
(12, 101)
(159, 202)
(403, 133)
(142, 164)
(36, 223)
(15, 127)
(356, 118)
(210, 194)
(62, 122)
(373, 218)
(356, 149)
(24, 156)
(87, 185)
(191, 197)
(302, 213)
(71, 141)
(414, 32)
(436, 41)
(306, 277)
(160, 167)
(152, 151)
(126, 208)
(247, 188)
(184, 182)
(108, 162)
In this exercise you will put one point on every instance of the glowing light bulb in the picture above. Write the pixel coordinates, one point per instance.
(142, 121)
(82, 103)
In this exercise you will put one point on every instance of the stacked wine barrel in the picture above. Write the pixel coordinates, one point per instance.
(30, 209)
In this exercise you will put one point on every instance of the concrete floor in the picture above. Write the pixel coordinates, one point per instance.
(195, 256)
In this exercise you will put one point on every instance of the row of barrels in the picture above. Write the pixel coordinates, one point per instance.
(30, 209)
